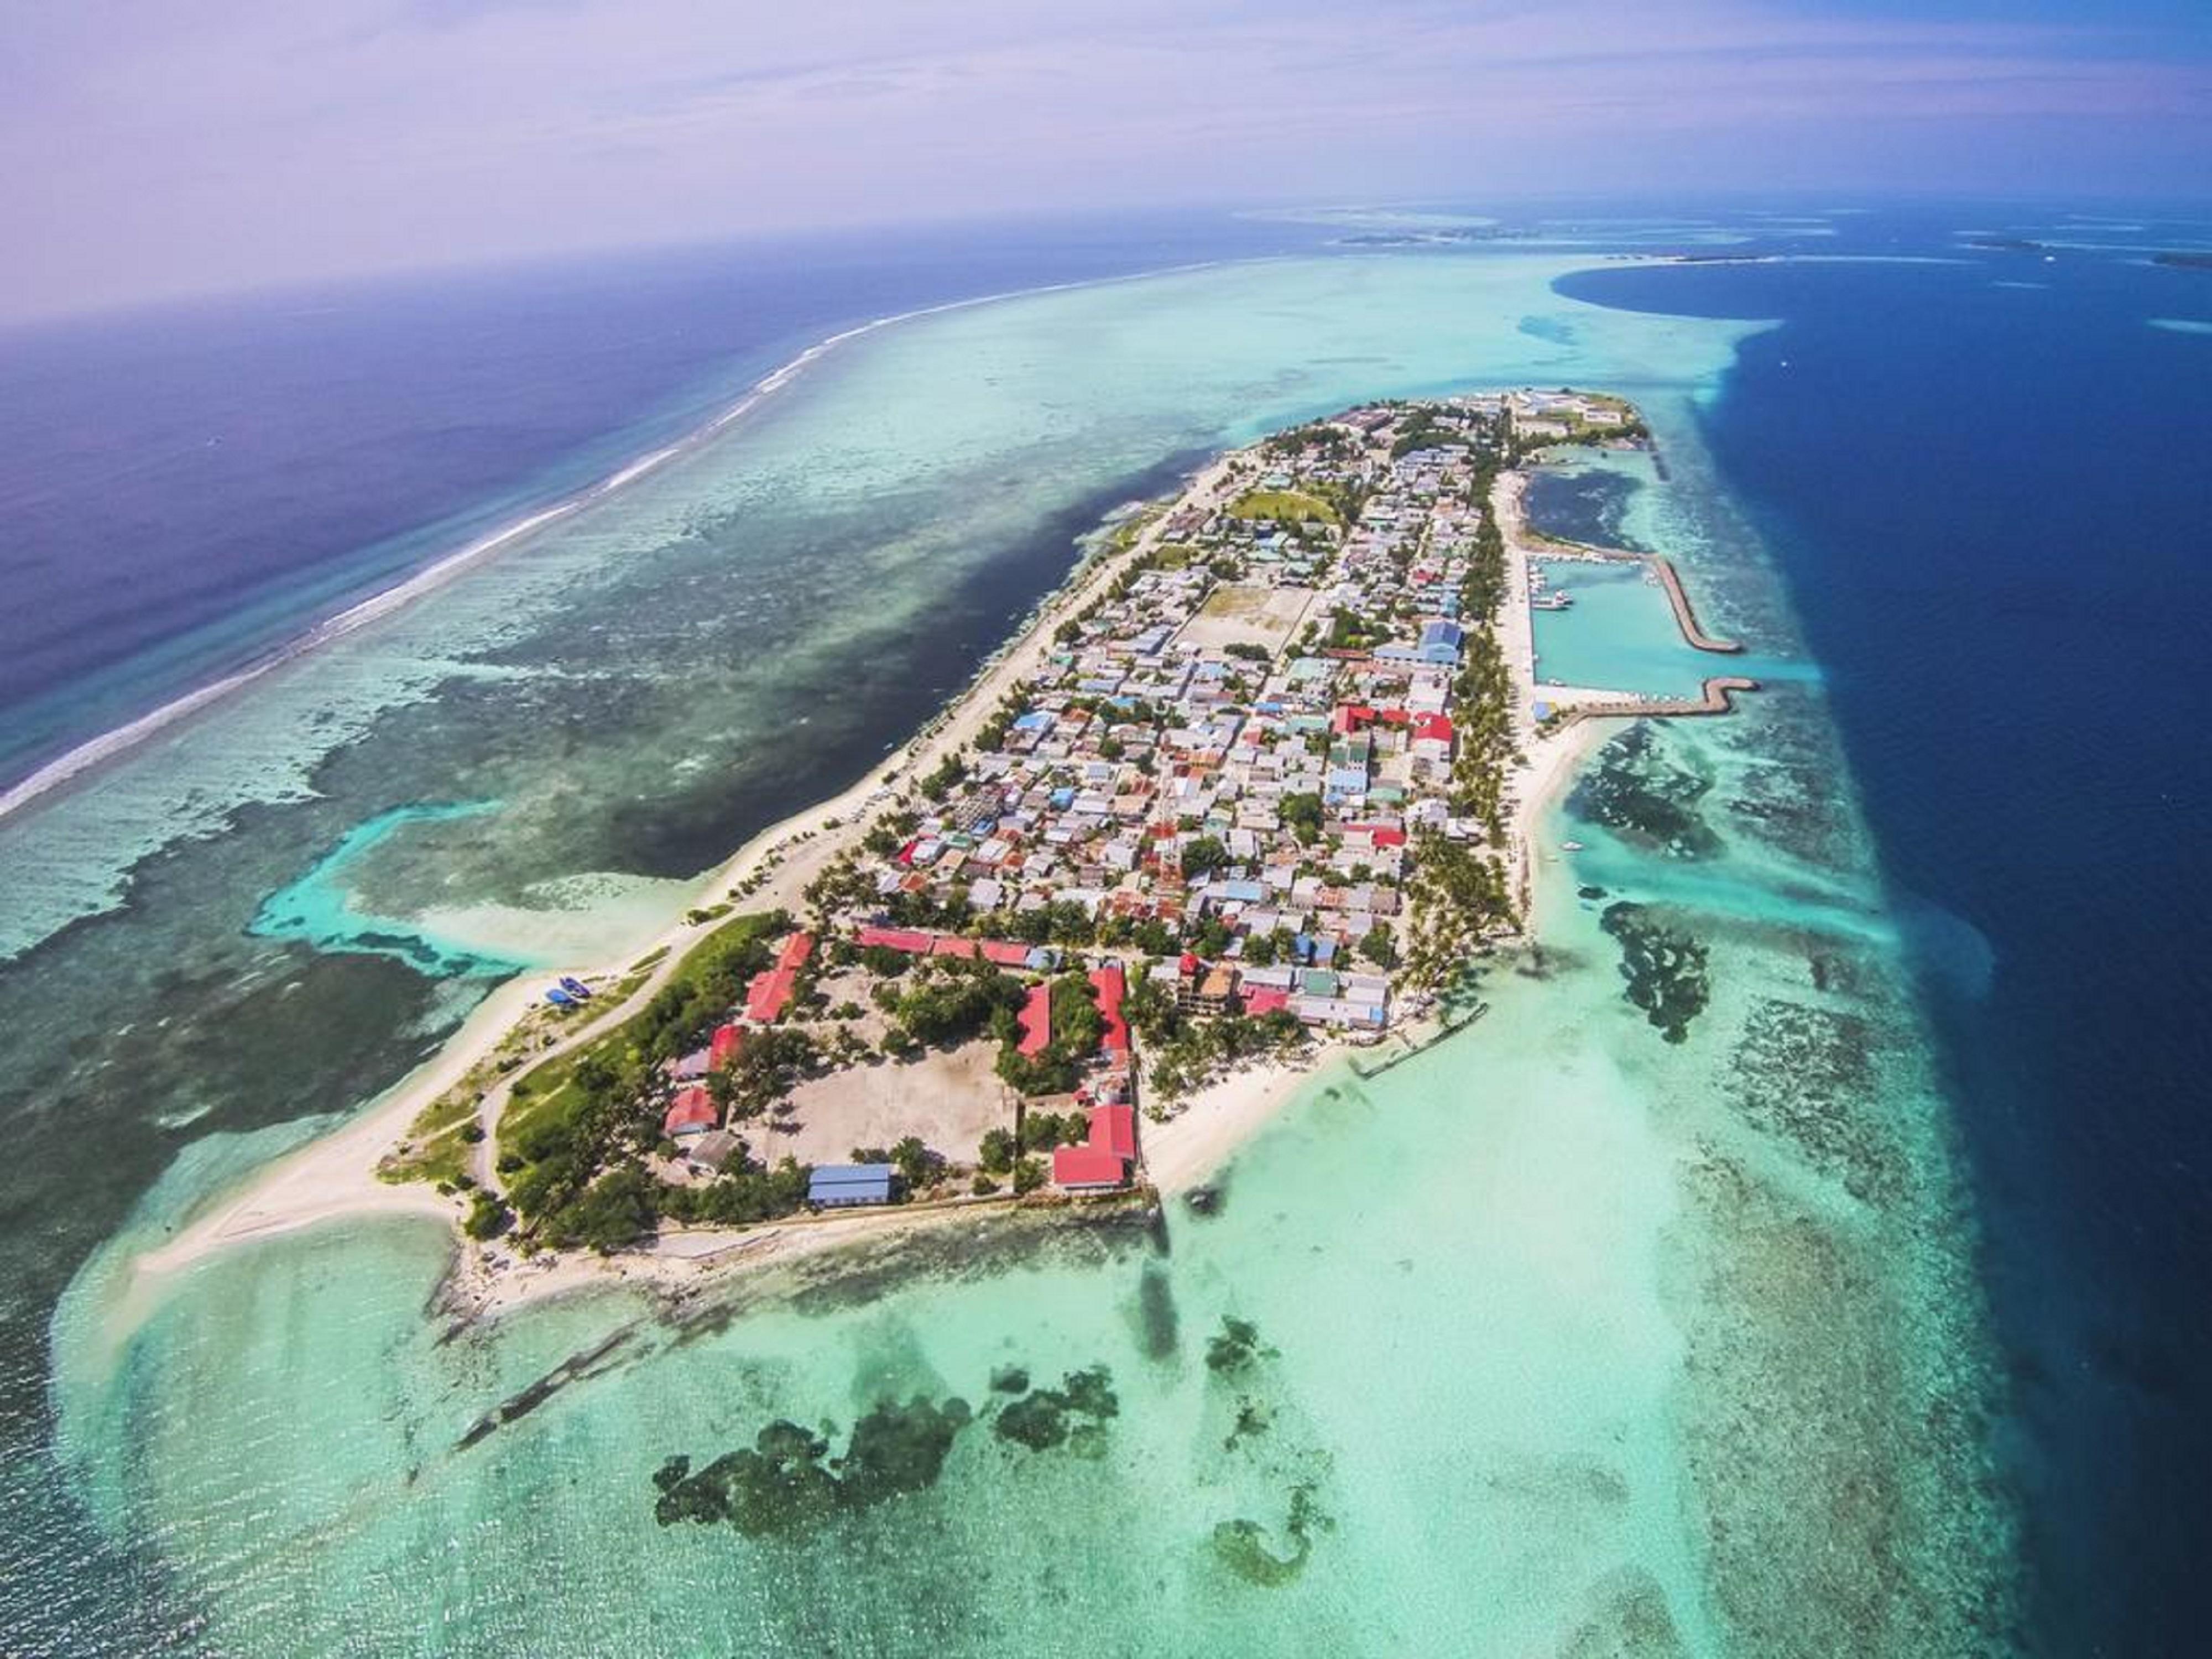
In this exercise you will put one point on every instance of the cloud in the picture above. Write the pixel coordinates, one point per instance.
(236, 141)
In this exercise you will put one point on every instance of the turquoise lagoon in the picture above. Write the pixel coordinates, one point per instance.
(1572, 1338)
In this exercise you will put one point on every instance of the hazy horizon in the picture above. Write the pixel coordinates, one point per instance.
(248, 145)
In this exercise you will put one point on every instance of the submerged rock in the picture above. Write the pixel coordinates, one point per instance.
(1810, 1075)
(1665, 968)
(1244, 1547)
(1155, 1313)
(1646, 798)
(1235, 1348)
(1073, 1414)
(786, 1484)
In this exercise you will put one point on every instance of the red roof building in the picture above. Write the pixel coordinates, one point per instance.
(910, 940)
(796, 950)
(1113, 1129)
(1107, 982)
(691, 1113)
(1432, 728)
(945, 946)
(1351, 717)
(1265, 1000)
(724, 1046)
(1007, 953)
(1081, 1169)
(769, 995)
(1036, 1021)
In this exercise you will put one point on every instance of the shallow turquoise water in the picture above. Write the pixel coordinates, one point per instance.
(1620, 635)
(1583, 1340)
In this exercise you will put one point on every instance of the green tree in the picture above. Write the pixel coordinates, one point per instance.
(1202, 857)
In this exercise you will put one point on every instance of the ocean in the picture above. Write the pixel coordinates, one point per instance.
(1864, 1318)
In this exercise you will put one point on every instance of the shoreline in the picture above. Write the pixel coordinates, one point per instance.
(81, 759)
(334, 1175)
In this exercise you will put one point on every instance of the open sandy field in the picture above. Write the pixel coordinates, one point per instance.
(950, 1099)
(1247, 613)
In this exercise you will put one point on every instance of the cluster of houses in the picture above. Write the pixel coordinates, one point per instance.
(692, 1120)
(1227, 760)
(1240, 742)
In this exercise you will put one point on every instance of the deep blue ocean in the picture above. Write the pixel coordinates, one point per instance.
(1991, 505)
(1985, 479)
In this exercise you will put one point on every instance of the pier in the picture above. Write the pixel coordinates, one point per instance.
(1687, 619)
(1718, 697)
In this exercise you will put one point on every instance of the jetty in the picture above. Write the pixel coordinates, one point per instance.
(1718, 697)
(1686, 618)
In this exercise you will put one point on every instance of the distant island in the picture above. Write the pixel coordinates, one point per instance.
(1249, 791)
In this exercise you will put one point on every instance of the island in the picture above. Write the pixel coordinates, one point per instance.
(1248, 793)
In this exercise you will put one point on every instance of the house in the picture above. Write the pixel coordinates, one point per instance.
(728, 1039)
(1036, 1021)
(1441, 642)
(769, 995)
(1088, 1170)
(1107, 983)
(848, 1186)
(910, 940)
(715, 1149)
(691, 1113)
(1113, 1129)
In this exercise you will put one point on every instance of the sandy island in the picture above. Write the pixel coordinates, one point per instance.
(334, 1176)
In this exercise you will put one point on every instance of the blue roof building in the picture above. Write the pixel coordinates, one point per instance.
(1441, 641)
(842, 1186)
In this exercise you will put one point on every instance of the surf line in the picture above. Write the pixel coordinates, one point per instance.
(119, 741)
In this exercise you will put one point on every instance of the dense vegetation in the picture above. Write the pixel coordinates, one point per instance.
(576, 1129)
(1458, 894)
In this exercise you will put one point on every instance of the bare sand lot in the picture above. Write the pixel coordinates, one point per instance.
(1247, 613)
(948, 1098)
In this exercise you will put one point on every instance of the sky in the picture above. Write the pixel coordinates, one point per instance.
(153, 148)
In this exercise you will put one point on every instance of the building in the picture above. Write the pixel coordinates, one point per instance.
(1113, 1129)
(714, 1149)
(1036, 1021)
(691, 1113)
(1432, 738)
(849, 1186)
(1088, 1170)
(769, 995)
(1107, 983)
(689, 1068)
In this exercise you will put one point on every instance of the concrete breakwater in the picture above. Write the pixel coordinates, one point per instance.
(1685, 616)
(1718, 697)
